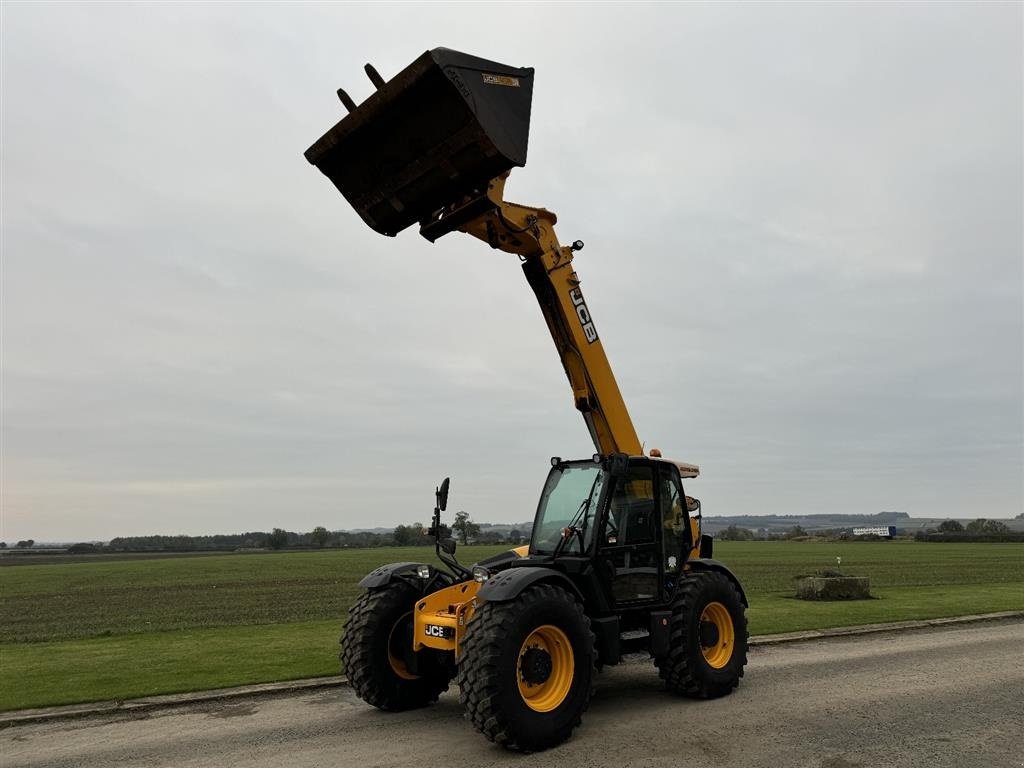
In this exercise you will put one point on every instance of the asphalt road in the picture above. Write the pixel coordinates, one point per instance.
(943, 697)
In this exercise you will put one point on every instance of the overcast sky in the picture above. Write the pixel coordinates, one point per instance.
(804, 257)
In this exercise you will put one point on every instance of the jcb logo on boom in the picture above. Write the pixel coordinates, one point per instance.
(584, 315)
(433, 630)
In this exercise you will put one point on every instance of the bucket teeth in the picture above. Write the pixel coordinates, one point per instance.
(374, 75)
(346, 100)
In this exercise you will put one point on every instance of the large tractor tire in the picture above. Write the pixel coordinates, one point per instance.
(707, 638)
(527, 667)
(375, 644)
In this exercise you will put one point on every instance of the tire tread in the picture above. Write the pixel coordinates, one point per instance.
(361, 646)
(683, 669)
(479, 680)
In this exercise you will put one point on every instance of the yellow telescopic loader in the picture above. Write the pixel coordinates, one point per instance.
(616, 563)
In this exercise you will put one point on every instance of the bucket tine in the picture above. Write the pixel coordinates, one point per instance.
(346, 100)
(374, 75)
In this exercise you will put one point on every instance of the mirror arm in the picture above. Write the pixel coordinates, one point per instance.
(457, 570)
(436, 529)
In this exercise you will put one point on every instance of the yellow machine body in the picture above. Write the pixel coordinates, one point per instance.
(441, 617)
(434, 146)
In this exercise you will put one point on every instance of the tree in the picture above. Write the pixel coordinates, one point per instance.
(3, 545)
(277, 538)
(795, 532)
(515, 536)
(406, 535)
(950, 526)
(464, 527)
(983, 526)
(26, 544)
(735, 533)
(977, 526)
(490, 537)
(320, 536)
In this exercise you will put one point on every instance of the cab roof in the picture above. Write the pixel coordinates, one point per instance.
(685, 468)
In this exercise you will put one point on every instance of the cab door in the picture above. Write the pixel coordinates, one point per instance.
(630, 545)
(676, 536)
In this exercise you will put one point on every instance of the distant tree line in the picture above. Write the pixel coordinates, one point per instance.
(795, 533)
(406, 535)
(949, 530)
(468, 532)
(278, 538)
(779, 521)
(976, 530)
(23, 544)
(735, 533)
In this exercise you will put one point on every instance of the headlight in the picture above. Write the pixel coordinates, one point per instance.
(423, 571)
(480, 573)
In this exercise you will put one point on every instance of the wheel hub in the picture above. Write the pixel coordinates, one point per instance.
(708, 634)
(400, 655)
(535, 666)
(717, 635)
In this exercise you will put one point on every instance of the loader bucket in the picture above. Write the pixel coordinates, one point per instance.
(435, 133)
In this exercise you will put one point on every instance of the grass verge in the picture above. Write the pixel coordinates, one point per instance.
(145, 664)
(130, 666)
(771, 614)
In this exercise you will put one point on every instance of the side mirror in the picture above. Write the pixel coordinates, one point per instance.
(442, 495)
(448, 545)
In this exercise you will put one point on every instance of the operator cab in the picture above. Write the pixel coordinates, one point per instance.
(628, 515)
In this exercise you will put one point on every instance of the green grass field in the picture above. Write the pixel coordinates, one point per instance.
(114, 629)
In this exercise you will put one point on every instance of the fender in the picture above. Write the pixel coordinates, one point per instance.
(384, 575)
(502, 560)
(706, 564)
(509, 583)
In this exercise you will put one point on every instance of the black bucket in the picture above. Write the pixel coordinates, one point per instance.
(436, 132)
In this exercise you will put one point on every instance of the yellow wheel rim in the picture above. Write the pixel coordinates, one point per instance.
(545, 667)
(718, 653)
(397, 665)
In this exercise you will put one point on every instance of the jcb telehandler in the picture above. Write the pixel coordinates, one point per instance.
(616, 563)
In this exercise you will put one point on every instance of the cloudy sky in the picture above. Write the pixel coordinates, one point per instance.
(804, 256)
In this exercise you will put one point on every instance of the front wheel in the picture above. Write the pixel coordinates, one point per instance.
(375, 646)
(526, 672)
(707, 638)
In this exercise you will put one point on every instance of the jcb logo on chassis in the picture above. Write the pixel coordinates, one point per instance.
(584, 315)
(433, 630)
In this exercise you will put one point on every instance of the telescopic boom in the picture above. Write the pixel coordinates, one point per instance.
(434, 145)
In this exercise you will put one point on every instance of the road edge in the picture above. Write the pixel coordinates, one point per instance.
(132, 706)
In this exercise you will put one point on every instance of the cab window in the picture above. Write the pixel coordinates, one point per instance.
(673, 518)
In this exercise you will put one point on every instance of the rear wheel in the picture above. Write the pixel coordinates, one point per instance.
(526, 671)
(376, 648)
(707, 638)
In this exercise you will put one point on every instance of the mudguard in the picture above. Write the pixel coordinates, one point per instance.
(508, 584)
(706, 564)
(502, 560)
(386, 573)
